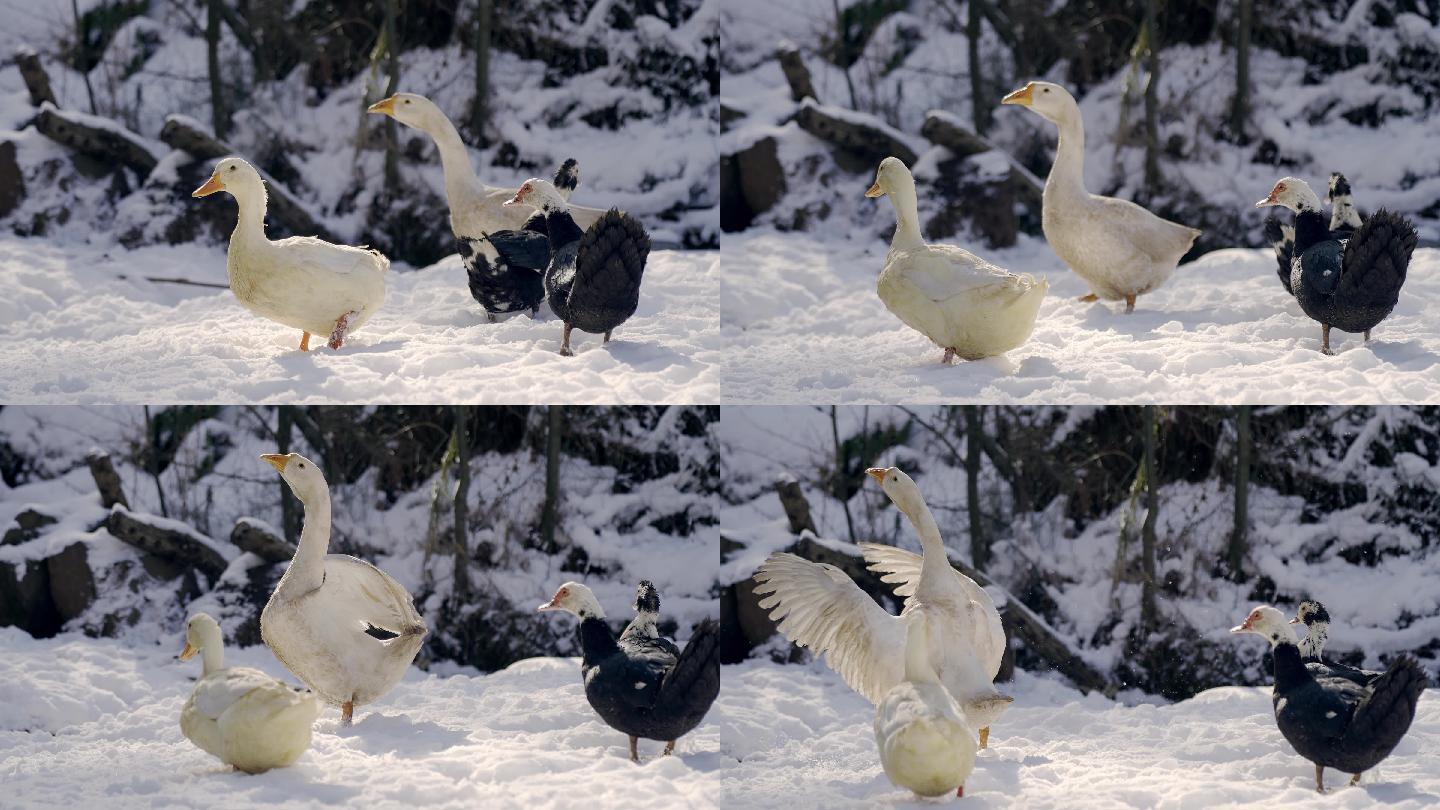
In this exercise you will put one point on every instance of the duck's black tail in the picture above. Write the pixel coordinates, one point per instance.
(692, 685)
(1383, 717)
(1282, 239)
(1376, 258)
(609, 264)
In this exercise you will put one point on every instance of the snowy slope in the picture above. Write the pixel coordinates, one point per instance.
(798, 737)
(94, 723)
(802, 324)
(77, 332)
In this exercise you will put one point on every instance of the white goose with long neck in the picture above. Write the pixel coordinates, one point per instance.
(476, 208)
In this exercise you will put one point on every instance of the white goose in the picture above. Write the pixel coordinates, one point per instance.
(818, 606)
(302, 282)
(925, 744)
(966, 305)
(476, 209)
(343, 626)
(243, 716)
(1120, 249)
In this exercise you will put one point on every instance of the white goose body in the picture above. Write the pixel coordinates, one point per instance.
(1120, 249)
(964, 304)
(343, 626)
(302, 282)
(818, 606)
(924, 741)
(242, 716)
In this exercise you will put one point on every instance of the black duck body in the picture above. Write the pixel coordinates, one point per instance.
(642, 689)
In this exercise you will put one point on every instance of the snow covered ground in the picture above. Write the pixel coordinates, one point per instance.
(95, 723)
(798, 737)
(80, 325)
(802, 324)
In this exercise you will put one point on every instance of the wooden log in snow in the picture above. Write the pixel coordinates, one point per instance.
(797, 508)
(167, 540)
(796, 74)
(106, 479)
(259, 539)
(871, 141)
(95, 137)
(188, 135)
(37, 81)
(943, 129)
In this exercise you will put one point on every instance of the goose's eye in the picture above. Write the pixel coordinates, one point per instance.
(406, 101)
(302, 465)
(232, 168)
(1045, 90)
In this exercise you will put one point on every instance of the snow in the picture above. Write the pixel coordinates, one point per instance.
(81, 326)
(799, 737)
(95, 723)
(804, 324)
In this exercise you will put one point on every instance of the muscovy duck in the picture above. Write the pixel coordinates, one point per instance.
(639, 687)
(476, 209)
(1347, 284)
(643, 629)
(515, 279)
(1316, 619)
(593, 280)
(1334, 722)
(1343, 221)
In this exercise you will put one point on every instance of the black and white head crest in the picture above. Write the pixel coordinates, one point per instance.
(1317, 628)
(647, 599)
(567, 177)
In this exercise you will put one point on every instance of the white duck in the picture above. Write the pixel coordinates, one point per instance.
(925, 744)
(818, 606)
(302, 282)
(966, 305)
(1119, 248)
(343, 626)
(476, 209)
(241, 715)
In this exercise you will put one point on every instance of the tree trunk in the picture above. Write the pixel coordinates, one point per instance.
(256, 538)
(462, 506)
(796, 74)
(974, 426)
(152, 458)
(219, 119)
(102, 469)
(84, 74)
(550, 517)
(392, 135)
(840, 55)
(792, 499)
(835, 483)
(37, 81)
(978, 105)
(1152, 84)
(289, 515)
(1240, 109)
(1147, 531)
(1238, 535)
(480, 109)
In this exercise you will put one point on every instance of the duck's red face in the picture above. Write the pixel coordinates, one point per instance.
(1250, 621)
(557, 602)
(520, 195)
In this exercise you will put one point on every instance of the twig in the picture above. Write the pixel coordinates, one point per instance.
(185, 281)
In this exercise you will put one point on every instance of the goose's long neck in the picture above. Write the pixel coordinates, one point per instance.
(212, 656)
(307, 569)
(1068, 172)
(917, 653)
(907, 219)
(935, 559)
(460, 179)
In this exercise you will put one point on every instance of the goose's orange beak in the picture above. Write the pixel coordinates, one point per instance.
(878, 473)
(188, 653)
(275, 460)
(875, 190)
(384, 107)
(211, 186)
(1023, 96)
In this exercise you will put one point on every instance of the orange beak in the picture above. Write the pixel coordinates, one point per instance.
(384, 107)
(275, 460)
(211, 186)
(188, 653)
(878, 473)
(875, 190)
(1023, 96)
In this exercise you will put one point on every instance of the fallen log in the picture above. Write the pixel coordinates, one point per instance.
(37, 81)
(943, 129)
(858, 133)
(797, 509)
(260, 539)
(96, 137)
(167, 539)
(796, 74)
(102, 469)
(188, 135)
